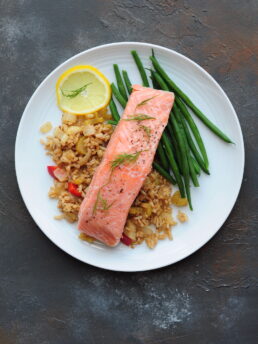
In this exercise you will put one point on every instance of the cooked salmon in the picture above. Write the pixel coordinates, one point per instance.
(125, 165)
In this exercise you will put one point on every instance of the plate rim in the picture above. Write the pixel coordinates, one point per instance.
(148, 45)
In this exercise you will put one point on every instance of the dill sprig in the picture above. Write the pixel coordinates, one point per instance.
(147, 130)
(145, 101)
(74, 93)
(139, 117)
(124, 158)
(101, 203)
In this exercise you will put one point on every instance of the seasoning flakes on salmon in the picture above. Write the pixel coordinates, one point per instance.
(125, 165)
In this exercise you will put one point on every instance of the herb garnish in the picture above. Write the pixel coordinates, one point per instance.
(145, 101)
(101, 202)
(74, 93)
(147, 130)
(139, 117)
(124, 158)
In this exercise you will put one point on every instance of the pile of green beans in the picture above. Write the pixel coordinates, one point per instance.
(181, 153)
(188, 101)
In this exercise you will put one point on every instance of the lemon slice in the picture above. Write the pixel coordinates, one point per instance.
(82, 89)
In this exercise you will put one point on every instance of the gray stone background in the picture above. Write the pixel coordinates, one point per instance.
(47, 296)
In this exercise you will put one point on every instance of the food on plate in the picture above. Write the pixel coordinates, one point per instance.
(125, 165)
(182, 217)
(177, 152)
(115, 174)
(188, 101)
(45, 128)
(82, 89)
(178, 200)
(152, 206)
(85, 237)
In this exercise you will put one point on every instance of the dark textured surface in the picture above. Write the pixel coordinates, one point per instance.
(47, 296)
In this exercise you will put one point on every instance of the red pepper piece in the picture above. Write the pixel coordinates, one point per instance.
(126, 240)
(73, 189)
(51, 170)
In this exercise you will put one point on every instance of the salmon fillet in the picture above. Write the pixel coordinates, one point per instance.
(119, 178)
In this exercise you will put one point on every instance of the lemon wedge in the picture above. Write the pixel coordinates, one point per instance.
(82, 89)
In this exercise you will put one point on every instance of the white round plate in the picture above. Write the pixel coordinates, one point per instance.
(212, 202)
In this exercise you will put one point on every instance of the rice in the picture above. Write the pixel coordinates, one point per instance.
(77, 147)
(182, 217)
(45, 128)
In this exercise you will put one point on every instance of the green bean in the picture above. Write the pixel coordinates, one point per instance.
(118, 95)
(163, 172)
(170, 130)
(176, 152)
(162, 156)
(183, 150)
(190, 163)
(188, 101)
(192, 146)
(119, 81)
(154, 82)
(112, 122)
(196, 166)
(194, 129)
(193, 126)
(174, 147)
(160, 81)
(127, 81)
(192, 172)
(173, 164)
(113, 110)
(140, 67)
(164, 86)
